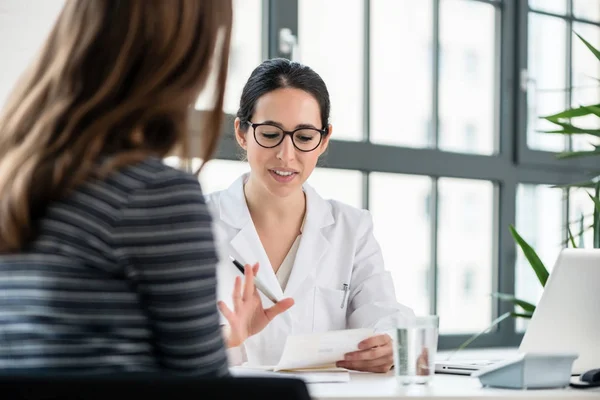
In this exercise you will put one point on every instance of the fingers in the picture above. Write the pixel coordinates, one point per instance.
(369, 354)
(373, 341)
(255, 269)
(248, 282)
(374, 359)
(237, 293)
(227, 313)
(278, 308)
(381, 365)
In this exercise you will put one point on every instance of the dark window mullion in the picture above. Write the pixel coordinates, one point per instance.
(569, 101)
(281, 14)
(433, 204)
(436, 73)
(433, 275)
(267, 25)
(510, 27)
(367, 71)
(366, 189)
(569, 66)
(366, 96)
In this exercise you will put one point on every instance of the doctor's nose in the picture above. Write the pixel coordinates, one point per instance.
(286, 150)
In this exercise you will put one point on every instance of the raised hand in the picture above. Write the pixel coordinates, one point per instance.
(248, 316)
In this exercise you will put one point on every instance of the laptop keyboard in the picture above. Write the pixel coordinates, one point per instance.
(478, 363)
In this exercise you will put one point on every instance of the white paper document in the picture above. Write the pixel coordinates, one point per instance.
(317, 350)
(313, 356)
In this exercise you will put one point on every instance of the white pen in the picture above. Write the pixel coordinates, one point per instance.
(257, 282)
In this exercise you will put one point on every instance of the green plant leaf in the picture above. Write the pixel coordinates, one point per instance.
(582, 230)
(521, 315)
(595, 200)
(576, 154)
(571, 238)
(518, 302)
(593, 109)
(583, 185)
(589, 46)
(569, 129)
(535, 262)
(570, 113)
(474, 337)
(572, 131)
(578, 219)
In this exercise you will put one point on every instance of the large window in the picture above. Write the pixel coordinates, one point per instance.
(245, 53)
(24, 25)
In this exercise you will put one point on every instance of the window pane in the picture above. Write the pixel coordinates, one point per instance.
(400, 205)
(465, 256)
(539, 221)
(220, 174)
(586, 72)
(24, 26)
(400, 86)
(244, 55)
(551, 6)
(546, 92)
(587, 9)
(468, 77)
(581, 217)
(333, 47)
(338, 184)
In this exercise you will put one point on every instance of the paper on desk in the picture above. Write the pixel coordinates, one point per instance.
(320, 377)
(320, 350)
(310, 375)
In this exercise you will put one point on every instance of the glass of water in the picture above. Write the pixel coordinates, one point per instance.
(415, 347)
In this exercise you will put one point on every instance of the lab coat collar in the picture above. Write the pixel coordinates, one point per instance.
(234, 209)
(247, 246)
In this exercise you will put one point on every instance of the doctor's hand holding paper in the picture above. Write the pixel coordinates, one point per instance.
(374, 354)
(322, 253)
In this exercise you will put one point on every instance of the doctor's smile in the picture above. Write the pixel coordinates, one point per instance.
(318, 258)
(283, 175)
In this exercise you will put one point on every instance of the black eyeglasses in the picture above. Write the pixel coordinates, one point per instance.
(304, 139)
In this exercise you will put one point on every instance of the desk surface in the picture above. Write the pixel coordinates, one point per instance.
(366, 386)
(380, 387)
(377, 386)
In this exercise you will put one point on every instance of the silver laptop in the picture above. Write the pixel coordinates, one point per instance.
(566, 319)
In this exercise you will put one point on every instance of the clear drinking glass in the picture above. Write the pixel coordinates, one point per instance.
(415, 348)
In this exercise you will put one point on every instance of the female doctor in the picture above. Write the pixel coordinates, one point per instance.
(320, 253)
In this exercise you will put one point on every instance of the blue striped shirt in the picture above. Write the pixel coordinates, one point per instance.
(121, 277)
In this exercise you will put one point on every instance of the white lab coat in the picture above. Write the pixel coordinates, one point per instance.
(337, 247)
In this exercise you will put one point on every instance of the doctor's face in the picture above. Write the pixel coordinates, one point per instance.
(283, 169)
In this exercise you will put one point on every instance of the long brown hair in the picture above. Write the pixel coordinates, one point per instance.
(114, 81)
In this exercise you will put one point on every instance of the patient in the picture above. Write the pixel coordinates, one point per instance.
(107, 258)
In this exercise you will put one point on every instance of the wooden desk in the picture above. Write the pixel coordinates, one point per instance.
(379, 387)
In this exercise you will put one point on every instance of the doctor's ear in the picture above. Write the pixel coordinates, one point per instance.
(325, 142)
(241, 130)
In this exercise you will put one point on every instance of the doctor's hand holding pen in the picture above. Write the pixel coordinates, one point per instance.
(248, 316)
(374, 354)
